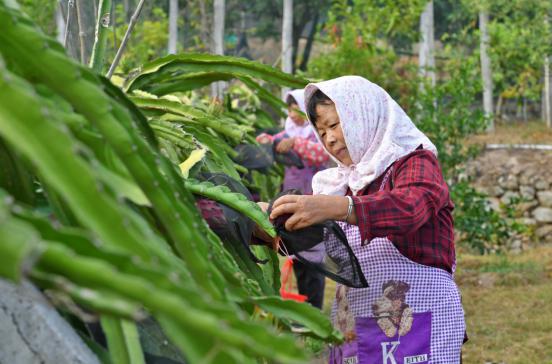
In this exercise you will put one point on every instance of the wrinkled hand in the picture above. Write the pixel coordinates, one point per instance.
(264, 138)
(263, 205)
(285, 145)
(307, 210)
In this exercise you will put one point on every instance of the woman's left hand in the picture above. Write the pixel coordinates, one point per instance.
(307, 210)
(285, 145)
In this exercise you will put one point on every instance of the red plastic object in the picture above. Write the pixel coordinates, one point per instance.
(287, 283)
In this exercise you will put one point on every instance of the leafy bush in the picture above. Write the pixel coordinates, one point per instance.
(364, 47)
(483, 229)
(448, 115)
(148, 41)
(378, 64)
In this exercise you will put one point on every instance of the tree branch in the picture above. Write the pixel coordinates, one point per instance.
(121, 49)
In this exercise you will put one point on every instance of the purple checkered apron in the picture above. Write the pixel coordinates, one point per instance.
(410, 313)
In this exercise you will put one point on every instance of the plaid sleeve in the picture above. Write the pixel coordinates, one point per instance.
(419, 191)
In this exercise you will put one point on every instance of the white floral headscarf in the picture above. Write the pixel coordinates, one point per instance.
(377, 132)
(304, 131)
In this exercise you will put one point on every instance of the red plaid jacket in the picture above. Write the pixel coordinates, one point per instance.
(414, 211)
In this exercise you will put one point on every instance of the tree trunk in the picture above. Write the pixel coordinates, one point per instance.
(498, 110)
(60, 26)
(524, 109)
(287, 39)
(217, 88)
(427, 45)
(85, 21)
(173, 26)
(486, 72)
(122, 47)
(547, 93)
(80, 24)
(242, 48)
(310, 41)
(295, 46)
(204, 33)
(128, 9)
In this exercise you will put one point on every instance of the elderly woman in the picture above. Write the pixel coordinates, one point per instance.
(390, 198)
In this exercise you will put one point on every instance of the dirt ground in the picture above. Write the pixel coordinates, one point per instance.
(534, 132)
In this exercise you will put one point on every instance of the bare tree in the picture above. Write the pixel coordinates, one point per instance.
(173, 26)
(287, 39)
(60, 25)
(547, 96)
(127, 7)
(486, 71)
(204, 33)
(547, 92)
(427, 44)
(217, 88)
(128, 32)
(79, 27)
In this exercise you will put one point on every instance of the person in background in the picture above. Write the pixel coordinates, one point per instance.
(298, 136)
(390, 198)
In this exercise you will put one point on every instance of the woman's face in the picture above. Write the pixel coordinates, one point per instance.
(295, 115)
(328, 127)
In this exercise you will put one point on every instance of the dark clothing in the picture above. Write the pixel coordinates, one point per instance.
(309, 283)
(414, 211)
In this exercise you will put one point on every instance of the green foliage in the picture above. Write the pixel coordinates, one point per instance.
(380, 65)
(374, 19)
(147, 42)
(122, 340)
(128, 237)
(362, 33)
(42, 12)
(448, 116)
(236, 201)
(169, 69)
(520, 39)
(482, 228)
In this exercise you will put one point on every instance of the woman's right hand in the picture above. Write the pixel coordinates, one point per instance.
(307, 210)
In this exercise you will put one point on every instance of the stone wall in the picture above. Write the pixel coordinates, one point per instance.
(517, 174)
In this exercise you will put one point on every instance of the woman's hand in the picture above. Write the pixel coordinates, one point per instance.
(285, 145)
(264, 138)
(263, 205)
(307, 210)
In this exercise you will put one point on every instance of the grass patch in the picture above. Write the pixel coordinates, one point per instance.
(507, 304)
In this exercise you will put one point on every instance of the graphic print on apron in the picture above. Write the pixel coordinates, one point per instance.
(395, 334)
